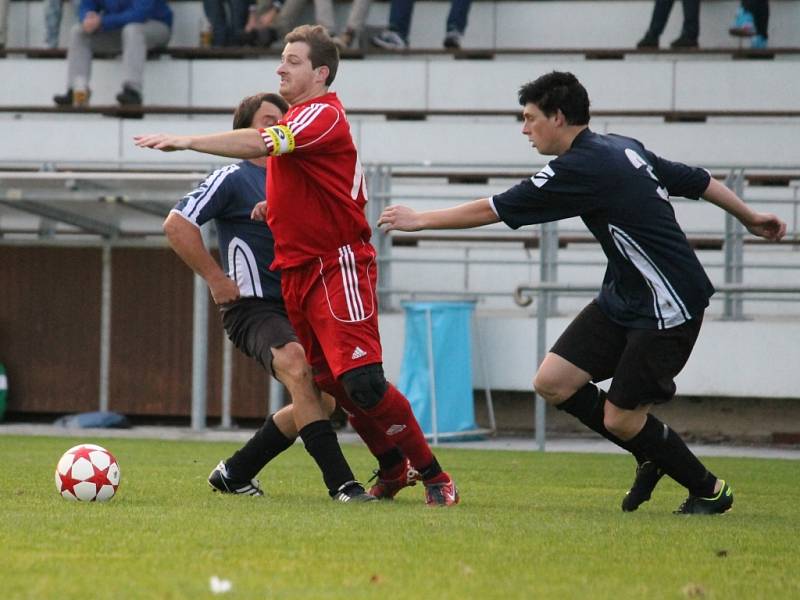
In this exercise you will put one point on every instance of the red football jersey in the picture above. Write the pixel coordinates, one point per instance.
(315, 183)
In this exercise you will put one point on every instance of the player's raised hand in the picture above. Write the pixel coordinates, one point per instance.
(767, 226)
(399, 218)
(162, 141)
(259, 212)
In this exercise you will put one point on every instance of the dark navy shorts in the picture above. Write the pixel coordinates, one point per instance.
(642, 363)
(256, 325)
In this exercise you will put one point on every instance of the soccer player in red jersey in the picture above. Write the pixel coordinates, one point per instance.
(317, 192)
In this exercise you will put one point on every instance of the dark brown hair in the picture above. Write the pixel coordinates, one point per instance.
(247, 109)
(322, 50)
(558, 91)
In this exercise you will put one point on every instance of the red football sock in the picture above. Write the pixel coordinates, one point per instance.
(393, 414)
(372, 434)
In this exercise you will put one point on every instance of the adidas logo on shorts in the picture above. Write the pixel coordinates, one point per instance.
(358, 353)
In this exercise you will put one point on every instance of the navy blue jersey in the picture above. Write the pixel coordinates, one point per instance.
(246, 246)
(621, 192)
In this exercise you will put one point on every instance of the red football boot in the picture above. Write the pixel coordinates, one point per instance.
(386, 489)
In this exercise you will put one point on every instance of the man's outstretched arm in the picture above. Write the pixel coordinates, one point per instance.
(463, 216)
(239, 143)
(764, 225)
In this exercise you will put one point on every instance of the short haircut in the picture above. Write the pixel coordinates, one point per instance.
(322, 50)
(558, 91)
(247, 109)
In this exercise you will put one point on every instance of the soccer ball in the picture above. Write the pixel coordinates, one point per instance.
(87, 472)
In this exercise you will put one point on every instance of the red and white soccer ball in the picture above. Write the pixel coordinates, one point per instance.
(88, 473)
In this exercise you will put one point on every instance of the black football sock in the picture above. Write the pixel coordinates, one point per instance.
(265, 445)
(664, 447)
(390, 461)
(432, 471)
(323, 446)
(587, 406)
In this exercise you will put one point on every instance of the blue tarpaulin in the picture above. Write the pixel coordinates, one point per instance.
(439, 333)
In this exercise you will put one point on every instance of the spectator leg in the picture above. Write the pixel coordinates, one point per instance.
(79, 56)
(691, 19)
(215, 13)
(760, 11)
(400, 15)
(457, 18)
(240, 9)
(358, 15)
(52, 22)
(3, 21)
(658, 22)
(137, 39)
(289, 16)
(323, 13)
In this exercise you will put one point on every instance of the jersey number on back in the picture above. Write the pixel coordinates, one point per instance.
(638, 162)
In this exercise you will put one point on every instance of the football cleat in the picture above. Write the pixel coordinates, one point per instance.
(386, 489)
(720, 503)
(220, 482)
(352, 491)
(647, 476)
(442, 494)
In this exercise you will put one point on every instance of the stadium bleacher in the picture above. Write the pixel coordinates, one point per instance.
(723, 107)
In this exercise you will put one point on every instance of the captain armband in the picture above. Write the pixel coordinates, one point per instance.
(279, 139)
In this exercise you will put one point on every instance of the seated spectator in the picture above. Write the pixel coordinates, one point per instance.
(752, 20)
(227, 19)
(349, 37)
(289, 16)
(262, 15)
(395, 37)
(3, 22)
(134, 26)
(690, 31)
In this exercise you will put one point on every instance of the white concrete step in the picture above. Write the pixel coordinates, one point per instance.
(31, 139)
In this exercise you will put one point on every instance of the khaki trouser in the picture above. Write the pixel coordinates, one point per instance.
(135, 39)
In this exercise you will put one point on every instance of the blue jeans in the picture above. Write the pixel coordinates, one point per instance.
(225, 31)
(401, 10)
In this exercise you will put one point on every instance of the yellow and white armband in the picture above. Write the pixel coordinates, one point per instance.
(279, 139)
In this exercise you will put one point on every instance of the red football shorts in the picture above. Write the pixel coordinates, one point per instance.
(333, 306)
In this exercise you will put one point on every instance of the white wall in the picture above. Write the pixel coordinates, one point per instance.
(740, 359)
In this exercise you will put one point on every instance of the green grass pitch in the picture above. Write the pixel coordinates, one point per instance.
(530, 525)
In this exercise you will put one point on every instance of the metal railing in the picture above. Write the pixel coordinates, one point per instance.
(544, 291)
(730, 239)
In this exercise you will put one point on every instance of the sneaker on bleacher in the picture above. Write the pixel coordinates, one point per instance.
(452, 40)
(389, 40)
(743, 24)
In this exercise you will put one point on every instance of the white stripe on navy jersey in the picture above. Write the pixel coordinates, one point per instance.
(205, 191)
(244, 268)
(670, 310)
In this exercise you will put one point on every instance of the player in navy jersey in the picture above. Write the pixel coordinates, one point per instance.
(642, 326)
(317, 193)
(253, 311)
